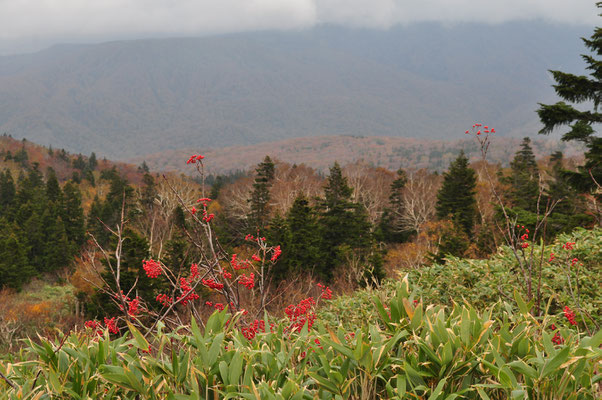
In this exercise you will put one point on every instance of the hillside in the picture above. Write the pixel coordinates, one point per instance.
(130, 98)
(321, 152)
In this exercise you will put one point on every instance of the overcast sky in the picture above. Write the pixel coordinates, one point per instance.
(27, 25)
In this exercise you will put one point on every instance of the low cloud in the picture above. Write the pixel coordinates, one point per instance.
(51, 21)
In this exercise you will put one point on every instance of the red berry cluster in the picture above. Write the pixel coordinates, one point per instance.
(212, 284)
(164, 299)
(238, 265)
(524, 237)
(250, 331)
(557, 339)
(477, 127)
(276, 253)
(194, 158)
(152, 268)
(217, 306)
(247, 281)
(111, 325)
(570, 315)
(94, 325)
(568, 245)
(204, 200)
(134, 307)
(301, 314)
(188, 294)
(194, 271)
(326, 292)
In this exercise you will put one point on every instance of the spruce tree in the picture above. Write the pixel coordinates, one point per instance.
(580, 89)
(456, 198)
(73, 216)
(524, 179)
(53, 189)
(344, 227)
(15, 268)
(391, 227)
(7, 195)
(260, 197)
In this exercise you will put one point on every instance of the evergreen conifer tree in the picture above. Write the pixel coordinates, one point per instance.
(456, 198)
(524, 179)
(344, 227)
(580, 89)
(7, 195)
(260, 197)
(15, 268)
(391, 227)
(73, 216)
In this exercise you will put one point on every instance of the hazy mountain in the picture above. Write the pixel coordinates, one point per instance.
(130, 98)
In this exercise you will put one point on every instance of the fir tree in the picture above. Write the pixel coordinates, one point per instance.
(524, 179)
(303, 247)
(260, 197)
(456, 198)
(15, 268)
(391, 227)
(580, 89)
(53, 189)
(92, 162)
(344, 227)
(56, 249)
(73, 216)
(7, 195)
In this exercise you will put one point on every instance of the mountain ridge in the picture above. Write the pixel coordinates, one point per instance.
(129, 98)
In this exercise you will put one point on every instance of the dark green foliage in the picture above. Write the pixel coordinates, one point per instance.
(40, 223)
(454, 242)
(178, 254)
(344, 229)
(89, 176)
(109, 212)
(178, 217)
(216, 187)
(8, 193)
(53, 189)
(80, 163)
(580, 89)
(57, 251)
(303, 250)
(73, 216)
(21, 157)
(390, 227)
(92, 162)
(524, 179)
(456, 198)
(277, 233)
(260, 196)
(149, 191)
(15, 267)
(143, 167)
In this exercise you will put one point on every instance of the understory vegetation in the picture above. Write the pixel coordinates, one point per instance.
(410, 349)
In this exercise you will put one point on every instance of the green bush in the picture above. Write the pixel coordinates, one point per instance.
(409, 350)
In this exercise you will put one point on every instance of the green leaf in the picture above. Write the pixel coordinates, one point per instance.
(139, 339)
(437, 392)
(553, 364)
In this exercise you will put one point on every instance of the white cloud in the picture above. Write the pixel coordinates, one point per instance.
(80, 20)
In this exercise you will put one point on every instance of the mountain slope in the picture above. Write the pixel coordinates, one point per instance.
(125, 99)
(321, 152)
